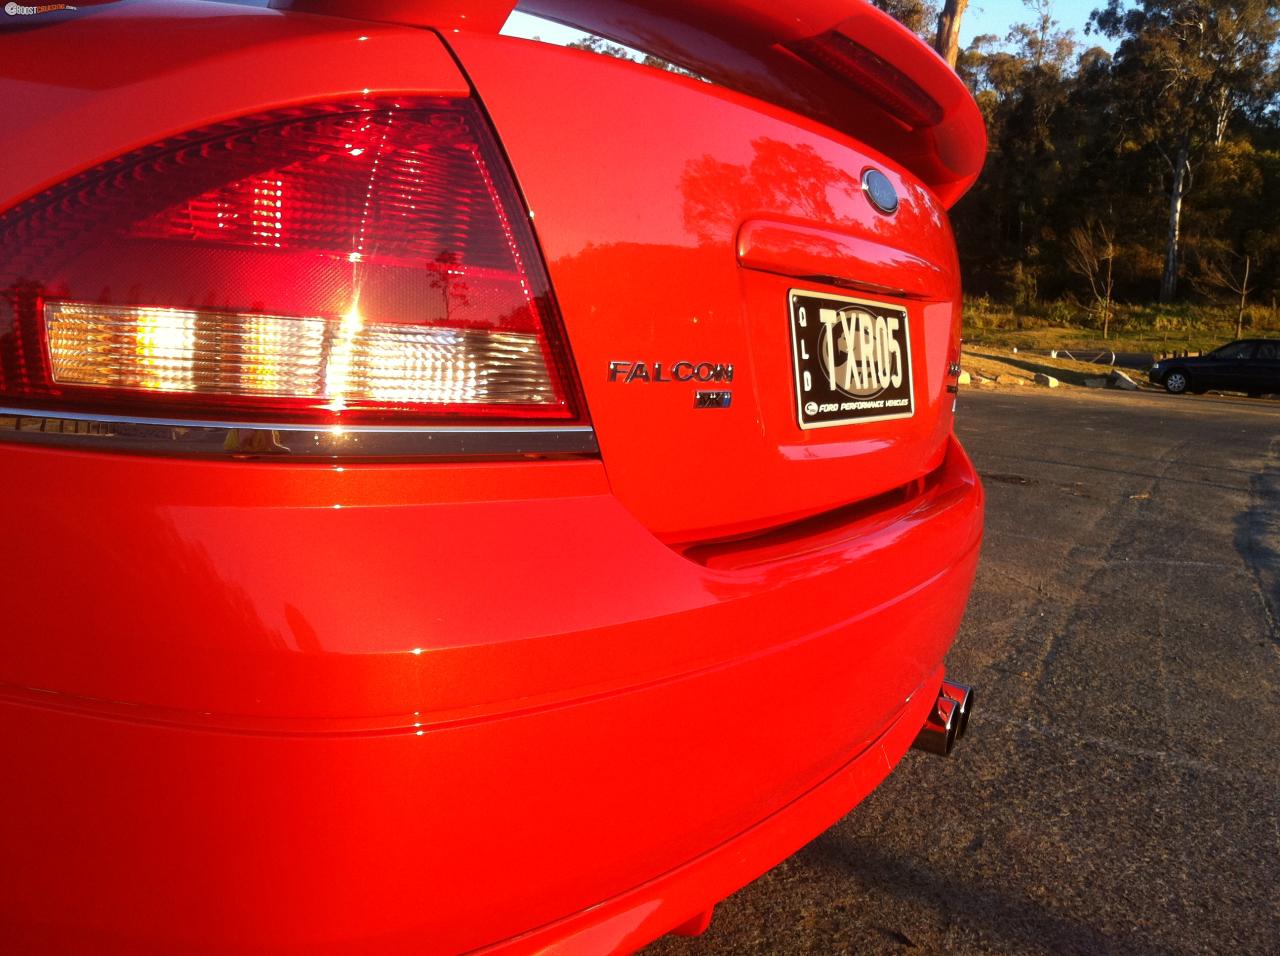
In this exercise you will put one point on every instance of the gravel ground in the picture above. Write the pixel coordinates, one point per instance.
(1117, 792)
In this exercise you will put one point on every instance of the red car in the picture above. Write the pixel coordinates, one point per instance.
(464, 494)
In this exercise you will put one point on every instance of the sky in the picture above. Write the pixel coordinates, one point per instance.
(996, 16)
(983, 16)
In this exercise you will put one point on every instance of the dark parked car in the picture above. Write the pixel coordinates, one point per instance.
(1250, 365)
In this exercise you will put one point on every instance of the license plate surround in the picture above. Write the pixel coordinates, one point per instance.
(822, 400)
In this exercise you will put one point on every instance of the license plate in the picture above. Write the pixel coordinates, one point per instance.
(852, 360)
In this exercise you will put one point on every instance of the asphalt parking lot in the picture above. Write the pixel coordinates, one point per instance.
(1119, 790)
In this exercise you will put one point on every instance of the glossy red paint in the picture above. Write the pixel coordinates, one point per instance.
(482, 15)
(789, 54)
(245, 720)
(750, 185)
(124, 76)
(502, 707)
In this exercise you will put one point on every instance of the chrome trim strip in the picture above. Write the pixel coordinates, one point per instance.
(280, 442)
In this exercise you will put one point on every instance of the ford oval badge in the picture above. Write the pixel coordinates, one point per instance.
(880, 192)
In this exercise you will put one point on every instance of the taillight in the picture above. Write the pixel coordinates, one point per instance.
(364, 264)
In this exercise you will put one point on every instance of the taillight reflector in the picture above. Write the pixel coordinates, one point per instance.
(366, 263)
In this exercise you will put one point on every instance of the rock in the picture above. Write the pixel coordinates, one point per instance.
(964, 378)
(1048, 381)
(1095, 383)
(1118, 379)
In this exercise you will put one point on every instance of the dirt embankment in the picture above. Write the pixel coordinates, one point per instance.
(1001, 368)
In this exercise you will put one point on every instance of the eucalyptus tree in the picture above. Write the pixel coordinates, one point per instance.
(1184, 70)
(918, 16)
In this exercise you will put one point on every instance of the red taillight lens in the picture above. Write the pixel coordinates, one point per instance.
(362, 263)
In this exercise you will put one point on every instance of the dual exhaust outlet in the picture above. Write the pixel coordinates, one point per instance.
(947, 720)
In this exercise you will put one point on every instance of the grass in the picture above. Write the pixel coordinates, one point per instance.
(1161, 329)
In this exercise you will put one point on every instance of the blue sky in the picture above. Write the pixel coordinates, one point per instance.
(996, 16)
(983, 16)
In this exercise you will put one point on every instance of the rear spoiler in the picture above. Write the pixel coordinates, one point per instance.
(841, 62)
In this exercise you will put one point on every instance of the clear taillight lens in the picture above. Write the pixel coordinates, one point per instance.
(336, 363)
(360, 263)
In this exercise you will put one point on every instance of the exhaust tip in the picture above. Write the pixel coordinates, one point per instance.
(962, 694)
(947, 721)
(938, 735)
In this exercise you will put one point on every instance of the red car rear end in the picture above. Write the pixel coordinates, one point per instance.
(465, 494)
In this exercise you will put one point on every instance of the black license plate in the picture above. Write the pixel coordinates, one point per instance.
(852, 360)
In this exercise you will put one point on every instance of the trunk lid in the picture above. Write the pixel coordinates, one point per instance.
(678, 219)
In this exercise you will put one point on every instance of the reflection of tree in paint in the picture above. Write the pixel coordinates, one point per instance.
(781, 177)
(450, 279)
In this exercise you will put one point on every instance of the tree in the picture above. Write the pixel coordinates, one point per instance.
(1091, 254)
(1040, 42)
(1234, 212)
(597, 44)
(918, 16)
(1229, 272)
(922, 17)
(1023, 88)
(947, 42)
(1185, 69)
(450, 279)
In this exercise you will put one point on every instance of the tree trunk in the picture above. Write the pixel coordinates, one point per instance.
(1106, 305)
(948, 40)
(1169, 281)
(1244, 293)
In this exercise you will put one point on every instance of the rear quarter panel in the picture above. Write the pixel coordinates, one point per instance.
(122, 76)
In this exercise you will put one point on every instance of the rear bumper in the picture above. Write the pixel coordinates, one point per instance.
(635, 918)
(469, 721)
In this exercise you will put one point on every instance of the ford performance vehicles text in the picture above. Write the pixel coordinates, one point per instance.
(465, 495)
